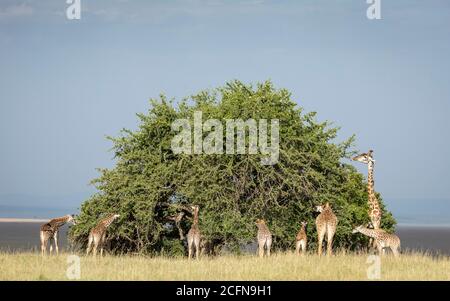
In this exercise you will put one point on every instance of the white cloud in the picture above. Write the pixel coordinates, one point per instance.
(13, 11)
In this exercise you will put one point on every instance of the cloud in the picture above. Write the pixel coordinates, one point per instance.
(15, 11)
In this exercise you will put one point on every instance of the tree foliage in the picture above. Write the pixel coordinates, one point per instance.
(150, 184)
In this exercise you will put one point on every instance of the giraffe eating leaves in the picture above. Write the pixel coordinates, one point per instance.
(49, 232)
(97, 236)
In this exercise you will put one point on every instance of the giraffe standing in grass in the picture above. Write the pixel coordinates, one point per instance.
(49, 231)
(326, 223)
(264, 237)
(382, 239)
(301, 239)
(193, 236)
(97, 236)
(374, 205)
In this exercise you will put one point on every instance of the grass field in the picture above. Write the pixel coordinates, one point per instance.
(30, 266)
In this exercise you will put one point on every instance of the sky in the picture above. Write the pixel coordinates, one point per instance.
(67, 84)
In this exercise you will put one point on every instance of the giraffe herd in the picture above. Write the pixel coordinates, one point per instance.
(326, 225)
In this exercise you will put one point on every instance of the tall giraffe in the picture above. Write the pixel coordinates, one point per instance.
(326, 223)
(49, 231)
(193, 236)
(97, 236)
(264, 237)
(382, 239)
(374, 205)
(301, 239)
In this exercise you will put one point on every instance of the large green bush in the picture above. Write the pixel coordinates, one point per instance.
(150, 183)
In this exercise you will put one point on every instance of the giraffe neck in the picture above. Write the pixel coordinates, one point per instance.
(369, 232)
(196, 217)
(262, 227)
(59, 222)
(372, 200)
(108, 221)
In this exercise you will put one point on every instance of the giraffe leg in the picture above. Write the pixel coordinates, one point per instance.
(44, 246)
(321, 235)
(96, 243)
(303, 246)
(261, 244)
(197, 246)
(190, 247)
(43, 243)
(268, 245)
(380, 248)
(51, 246)
(330, 234)
(89, 246)
(55, 239)
(102, 244)
(395, 251)
(297, 246)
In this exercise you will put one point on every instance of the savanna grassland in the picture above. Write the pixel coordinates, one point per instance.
(281, 266)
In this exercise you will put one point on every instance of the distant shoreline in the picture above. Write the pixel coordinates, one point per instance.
(22, 220)
(43, 220)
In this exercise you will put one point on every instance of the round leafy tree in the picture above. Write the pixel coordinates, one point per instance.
(152, 186)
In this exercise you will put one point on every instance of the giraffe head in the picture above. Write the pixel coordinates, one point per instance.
(304, 224)
(260, 221)
(357, 229)
(364, 157)
(71, 219)
(320, 208)
(195, 208)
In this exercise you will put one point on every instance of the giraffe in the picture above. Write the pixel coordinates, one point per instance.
(97, 236)
(177, 219)
(382, 239)
(49, 231)
(264, 237)
(326, 223)
(301, 239)
(374, 206)
(193, 236)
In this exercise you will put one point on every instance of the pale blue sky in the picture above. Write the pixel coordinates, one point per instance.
(66, 84)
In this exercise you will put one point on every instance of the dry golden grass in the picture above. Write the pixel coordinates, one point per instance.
(283, 266)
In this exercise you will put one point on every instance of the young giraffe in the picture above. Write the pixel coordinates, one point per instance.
(301, 239)
(177, 219)
(264, 237)
(374, 206)
(49, 231)
(326, 223)
(193, 236)
(97, 236)
(382, 239)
